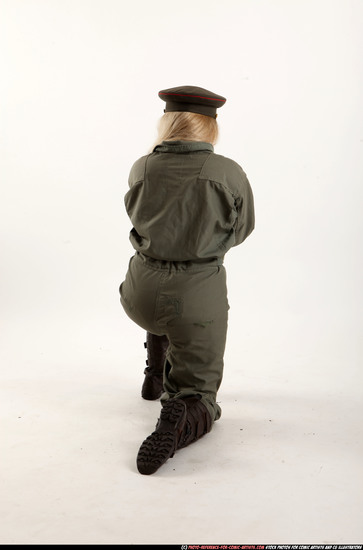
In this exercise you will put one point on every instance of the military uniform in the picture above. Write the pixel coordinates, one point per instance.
(188, 207)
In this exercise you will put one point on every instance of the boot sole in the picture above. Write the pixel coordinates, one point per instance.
(151, 396)
(162, 443)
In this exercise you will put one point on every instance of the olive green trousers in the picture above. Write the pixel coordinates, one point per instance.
(186, 301)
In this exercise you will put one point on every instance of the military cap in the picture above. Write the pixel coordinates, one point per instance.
(192, 99)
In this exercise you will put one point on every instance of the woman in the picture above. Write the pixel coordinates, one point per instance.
(188, 207)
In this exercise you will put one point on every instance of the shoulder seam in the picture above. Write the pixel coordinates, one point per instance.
(209, 178)
(144, 160)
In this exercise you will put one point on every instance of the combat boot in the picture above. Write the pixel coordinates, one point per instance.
(198, 422)
(156, 346)
(163, 442)
(182, 422)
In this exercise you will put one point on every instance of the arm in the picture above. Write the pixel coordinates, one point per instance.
(244, 205)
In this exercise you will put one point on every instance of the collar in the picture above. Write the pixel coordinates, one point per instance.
(183, 146)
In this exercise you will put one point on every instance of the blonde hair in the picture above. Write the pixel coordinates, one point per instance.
(185, 126)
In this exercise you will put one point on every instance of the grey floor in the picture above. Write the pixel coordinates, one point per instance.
(283, 464)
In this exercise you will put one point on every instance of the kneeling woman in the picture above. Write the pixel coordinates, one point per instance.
(188, 207)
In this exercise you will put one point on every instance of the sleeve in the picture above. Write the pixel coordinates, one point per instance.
(137, 172)
(245, 208)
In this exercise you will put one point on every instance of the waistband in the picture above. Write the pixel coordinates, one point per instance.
(188, 265)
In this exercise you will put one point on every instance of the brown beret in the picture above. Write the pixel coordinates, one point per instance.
(192, 99)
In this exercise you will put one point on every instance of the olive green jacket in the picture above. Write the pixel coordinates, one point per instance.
(187, 203)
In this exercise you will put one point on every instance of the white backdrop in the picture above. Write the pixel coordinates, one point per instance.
(79, 105)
